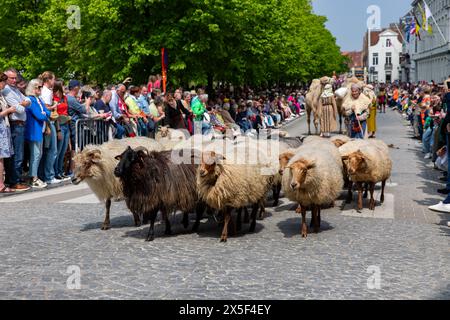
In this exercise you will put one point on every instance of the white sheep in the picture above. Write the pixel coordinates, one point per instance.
(313, 178)
(232, 184)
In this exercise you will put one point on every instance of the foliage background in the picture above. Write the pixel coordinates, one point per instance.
(253, 42)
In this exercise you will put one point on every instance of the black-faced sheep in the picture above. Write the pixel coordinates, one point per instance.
(153, 181)
(95, 165)
(225, 187)
(313, 178)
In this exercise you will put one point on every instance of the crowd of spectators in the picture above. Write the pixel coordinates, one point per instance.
(425, 107)
(43, 121)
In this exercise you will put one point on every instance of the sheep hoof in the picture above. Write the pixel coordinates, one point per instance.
(275, 203)
(372, 205)
(149, 239)
(223, 239)
(106, 227)
(382, 199)
(304, 235)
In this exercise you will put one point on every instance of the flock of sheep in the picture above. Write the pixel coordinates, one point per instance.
(170, 175)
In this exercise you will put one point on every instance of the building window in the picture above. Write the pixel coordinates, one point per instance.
(388, 58)
(375, 59)
(388, 43)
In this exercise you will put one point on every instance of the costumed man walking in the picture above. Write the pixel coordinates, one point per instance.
(328, 111)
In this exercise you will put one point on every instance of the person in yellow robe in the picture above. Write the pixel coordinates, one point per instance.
(372, 119)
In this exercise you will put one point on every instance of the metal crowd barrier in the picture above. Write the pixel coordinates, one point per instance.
(90, 131)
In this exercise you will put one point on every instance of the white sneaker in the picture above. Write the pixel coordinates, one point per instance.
(54, 181)
(440, 207)
(38, 184)
(427, 156)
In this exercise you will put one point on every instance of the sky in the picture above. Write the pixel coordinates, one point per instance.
(347, 19)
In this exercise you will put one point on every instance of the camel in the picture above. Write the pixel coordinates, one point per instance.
(312, 103)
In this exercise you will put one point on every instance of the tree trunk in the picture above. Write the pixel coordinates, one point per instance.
(210, 89)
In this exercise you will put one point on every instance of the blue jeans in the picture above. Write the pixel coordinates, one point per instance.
(426, 140)
(245, 126)
(61, 149)
(35, 157)
(15, 162)
(47, 166)
(359, 135)
(120, 131)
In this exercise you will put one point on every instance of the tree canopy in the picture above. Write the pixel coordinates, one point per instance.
(239, 41)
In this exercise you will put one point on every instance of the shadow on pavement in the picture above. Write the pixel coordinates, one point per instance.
(208, 229)
(291, 227)
(116, 223)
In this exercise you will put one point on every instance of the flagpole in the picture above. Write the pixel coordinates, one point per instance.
(434, 20)
(401, 34)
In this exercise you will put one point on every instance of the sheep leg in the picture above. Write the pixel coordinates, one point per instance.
(350, 192)
(227, 218)
(185, 220)
(145, 218)
(137, 220)
(199, 215)
(308, 119)
(366, 190)
(254, 213)
(151, 229)
(246, 215)
(320, 219)
(232, 227)
(276, 194)
(106, 223)
(165, 215)
(262, 209)
(315, 218)
(340, 123)
(239, 220)
(360, 196)
(383, 185)
(372, 199)
(304, 229)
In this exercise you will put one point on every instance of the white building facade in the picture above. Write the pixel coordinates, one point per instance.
(431, 54)
(384, 57)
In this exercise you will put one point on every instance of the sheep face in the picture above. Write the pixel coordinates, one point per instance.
(338, 143)
(87, 165)
(284, 159)
(299, 173)
(164, 131)
(208, 163)
(127, 160)
(355, 162)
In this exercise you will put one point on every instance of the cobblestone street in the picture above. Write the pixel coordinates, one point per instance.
(44, 233)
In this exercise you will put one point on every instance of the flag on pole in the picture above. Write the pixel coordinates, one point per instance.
(427, 15)
(417, 27)
(164, 64)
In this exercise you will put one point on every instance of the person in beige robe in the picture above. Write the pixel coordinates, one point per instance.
(328, 111)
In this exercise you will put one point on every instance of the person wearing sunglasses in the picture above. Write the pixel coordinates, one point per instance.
(17, 119)
(37, 119)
